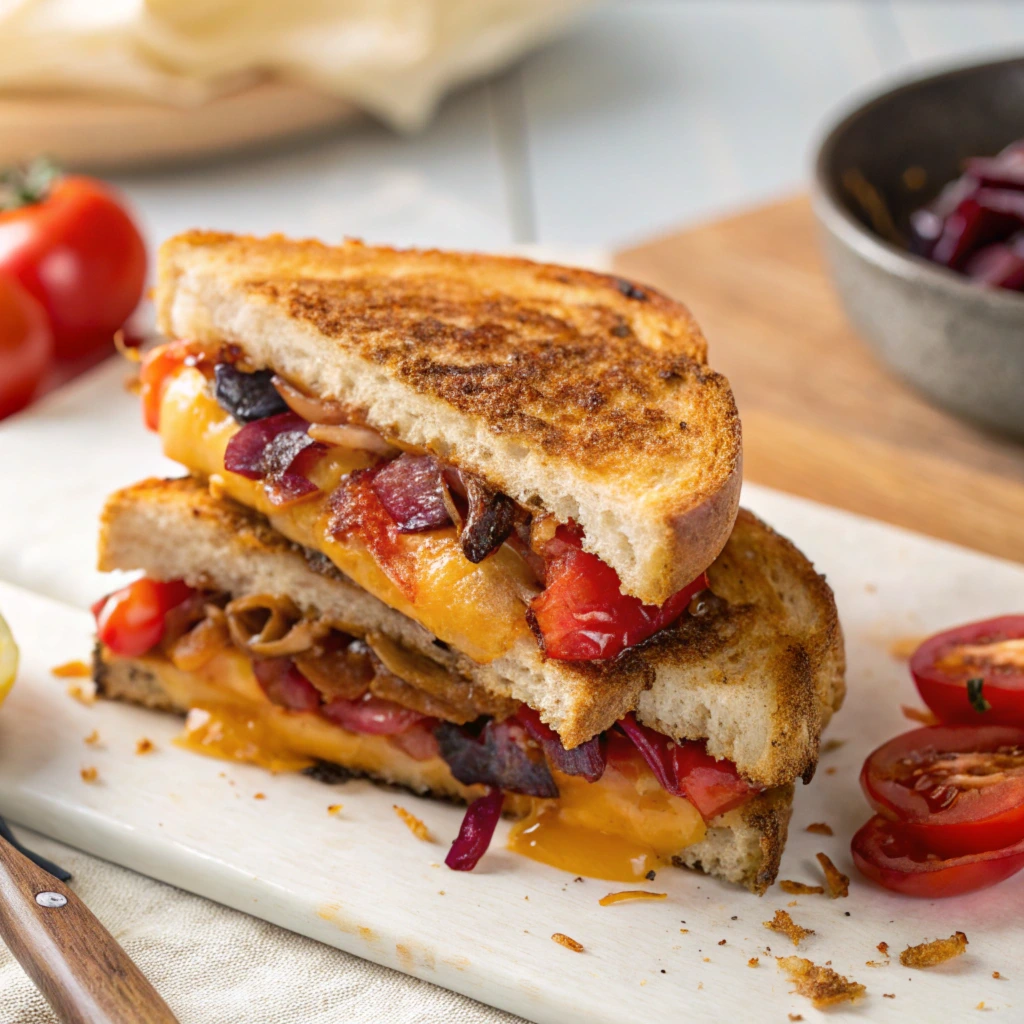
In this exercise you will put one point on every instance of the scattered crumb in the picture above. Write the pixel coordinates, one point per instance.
(820, 828)
(883, 948)
(721, 942)
(684, 930)
(796, 1016)
(440, 892)
(84, 693)
(997, 975)
(89, 774)
(707, 959)
(650, 876)
(870, 588)
(785, 925)
(928, 954)
(144, 746)
(873, 963)
(259, 796)
(753, 962)
(415, 826)
(830, 771)
(92, 739)
(820, 984)
(838, 883)
(799, 889)
(888, 995)
(829, 745)
(793, 903)
(630, 894)
(564, 940)
(981, 1005)
(918, 715)
(334, 808)
(72, 670)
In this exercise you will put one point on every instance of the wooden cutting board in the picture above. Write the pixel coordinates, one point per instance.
(822, 417)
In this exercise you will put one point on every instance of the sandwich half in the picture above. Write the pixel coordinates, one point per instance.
(278, 658)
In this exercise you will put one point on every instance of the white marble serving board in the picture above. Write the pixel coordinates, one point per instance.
(362, 882)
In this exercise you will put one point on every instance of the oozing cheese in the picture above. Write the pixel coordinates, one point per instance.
(616, 828)
(478, 609)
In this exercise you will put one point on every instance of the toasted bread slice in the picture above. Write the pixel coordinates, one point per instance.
(742, 846)
(758, 675)
(575, 393)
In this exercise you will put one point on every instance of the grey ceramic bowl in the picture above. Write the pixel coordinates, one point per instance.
(958, 342)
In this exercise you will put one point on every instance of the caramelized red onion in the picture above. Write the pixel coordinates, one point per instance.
(313, 410)
(654, 748)
(410, 489)
(348, 435)
(496, 757)
(285, 685)
(371, 715)
(587, 760)
(279, 451)
(247, 396)
(491, 517)
(476, 831)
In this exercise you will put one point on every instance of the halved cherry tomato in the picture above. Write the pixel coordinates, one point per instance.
(157, 367)
(582, 613)
(131, 620)
(72, 244)
(884, 853)
(26, 346)
(991, 650)
(956, 789)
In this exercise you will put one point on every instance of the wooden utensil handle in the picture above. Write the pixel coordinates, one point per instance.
(74, 961)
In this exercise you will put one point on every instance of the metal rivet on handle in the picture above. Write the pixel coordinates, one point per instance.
(51, 899)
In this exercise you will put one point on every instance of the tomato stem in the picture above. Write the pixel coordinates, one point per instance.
(27, 184)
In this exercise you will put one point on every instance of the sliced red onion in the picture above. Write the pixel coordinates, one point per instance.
(371, 715)
(285, 685)
(495, 758)
(587, 760)
(348, 435)
(476, 831)
(656, 750)
(410, 489)
(246, 450)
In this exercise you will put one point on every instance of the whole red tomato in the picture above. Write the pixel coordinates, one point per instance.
(72, 244)
(26, 346)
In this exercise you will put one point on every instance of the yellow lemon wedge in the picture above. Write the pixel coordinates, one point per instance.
(8, 659)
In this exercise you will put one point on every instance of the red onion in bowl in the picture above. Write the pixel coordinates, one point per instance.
(476, 831)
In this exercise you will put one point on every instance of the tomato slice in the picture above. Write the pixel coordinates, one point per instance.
(991, 650)
(582, 614)
(884, 853)
(956, 789)
(158, 365)
(131, 620)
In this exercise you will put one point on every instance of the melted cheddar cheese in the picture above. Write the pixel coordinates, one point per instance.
(618, 828)
(478, 609)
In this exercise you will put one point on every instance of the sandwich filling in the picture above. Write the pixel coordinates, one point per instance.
(473, 567)
(264, 684)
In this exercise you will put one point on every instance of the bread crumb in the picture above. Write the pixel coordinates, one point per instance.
(415, 826)
(259, 796)
(820, 828)
(84, 693)
(981, 1006)
(334, 808)
(72, 670)
(799, 889)
(564, 940)
(997, 975)
(721, 942)
(707, 959)
(928, 954)
(793, 903)
(838, 883)
(873, 963)
(918, 715)
(785, 925)
(630, 894)
(830, 771)
(684, 930)
(829, 745)
(883, 948)
(89, 774)
(796, 1016)
(144, 746)
(753, 962)
(820, 984)
(888, 995)
(92, 739)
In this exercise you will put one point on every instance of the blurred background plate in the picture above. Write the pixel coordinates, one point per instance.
(102, 134)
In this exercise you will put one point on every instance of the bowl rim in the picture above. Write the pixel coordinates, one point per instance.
(872, 247)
